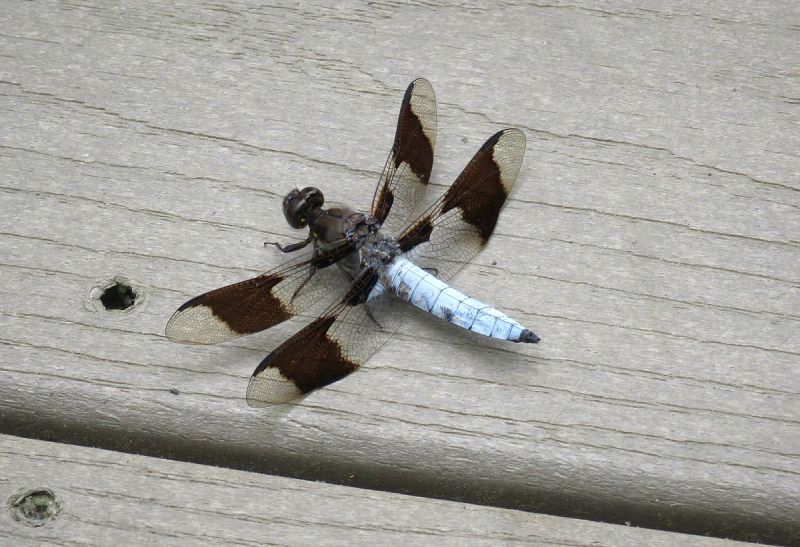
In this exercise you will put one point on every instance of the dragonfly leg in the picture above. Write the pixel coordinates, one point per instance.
(369, 314)
(292, 247)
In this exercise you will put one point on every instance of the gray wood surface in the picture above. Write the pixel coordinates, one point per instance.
(109, 498)
(652, 241)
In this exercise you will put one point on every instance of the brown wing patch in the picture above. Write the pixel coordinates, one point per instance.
(342, 339)
(259, 303)
(417, 233)
(413, 140)
(306, 372)
(479, 191)
(461, 222)
(408, 168)
(229, 312)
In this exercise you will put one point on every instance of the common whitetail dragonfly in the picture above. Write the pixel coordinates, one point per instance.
(384, 256)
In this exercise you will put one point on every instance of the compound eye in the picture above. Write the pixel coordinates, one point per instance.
(313, 196)
(290, 196)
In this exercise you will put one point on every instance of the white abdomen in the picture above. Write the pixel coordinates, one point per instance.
(413, 284)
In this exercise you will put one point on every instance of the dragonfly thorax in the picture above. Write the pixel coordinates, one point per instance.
(378, 250)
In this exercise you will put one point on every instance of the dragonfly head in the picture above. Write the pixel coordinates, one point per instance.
(298, 204)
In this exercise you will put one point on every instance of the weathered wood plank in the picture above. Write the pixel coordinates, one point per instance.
(652, 243)
(112, 498)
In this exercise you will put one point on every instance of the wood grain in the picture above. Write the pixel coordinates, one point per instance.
(113, 498)
(651, 241)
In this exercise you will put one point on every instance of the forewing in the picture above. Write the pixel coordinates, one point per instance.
(258, 303)
(460, 223)
(332, 346)
(408, 168)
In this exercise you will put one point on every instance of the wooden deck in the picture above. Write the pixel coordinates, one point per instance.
(652, 241)
(110, 498)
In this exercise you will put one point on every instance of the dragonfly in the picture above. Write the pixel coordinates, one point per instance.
(371, 261)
